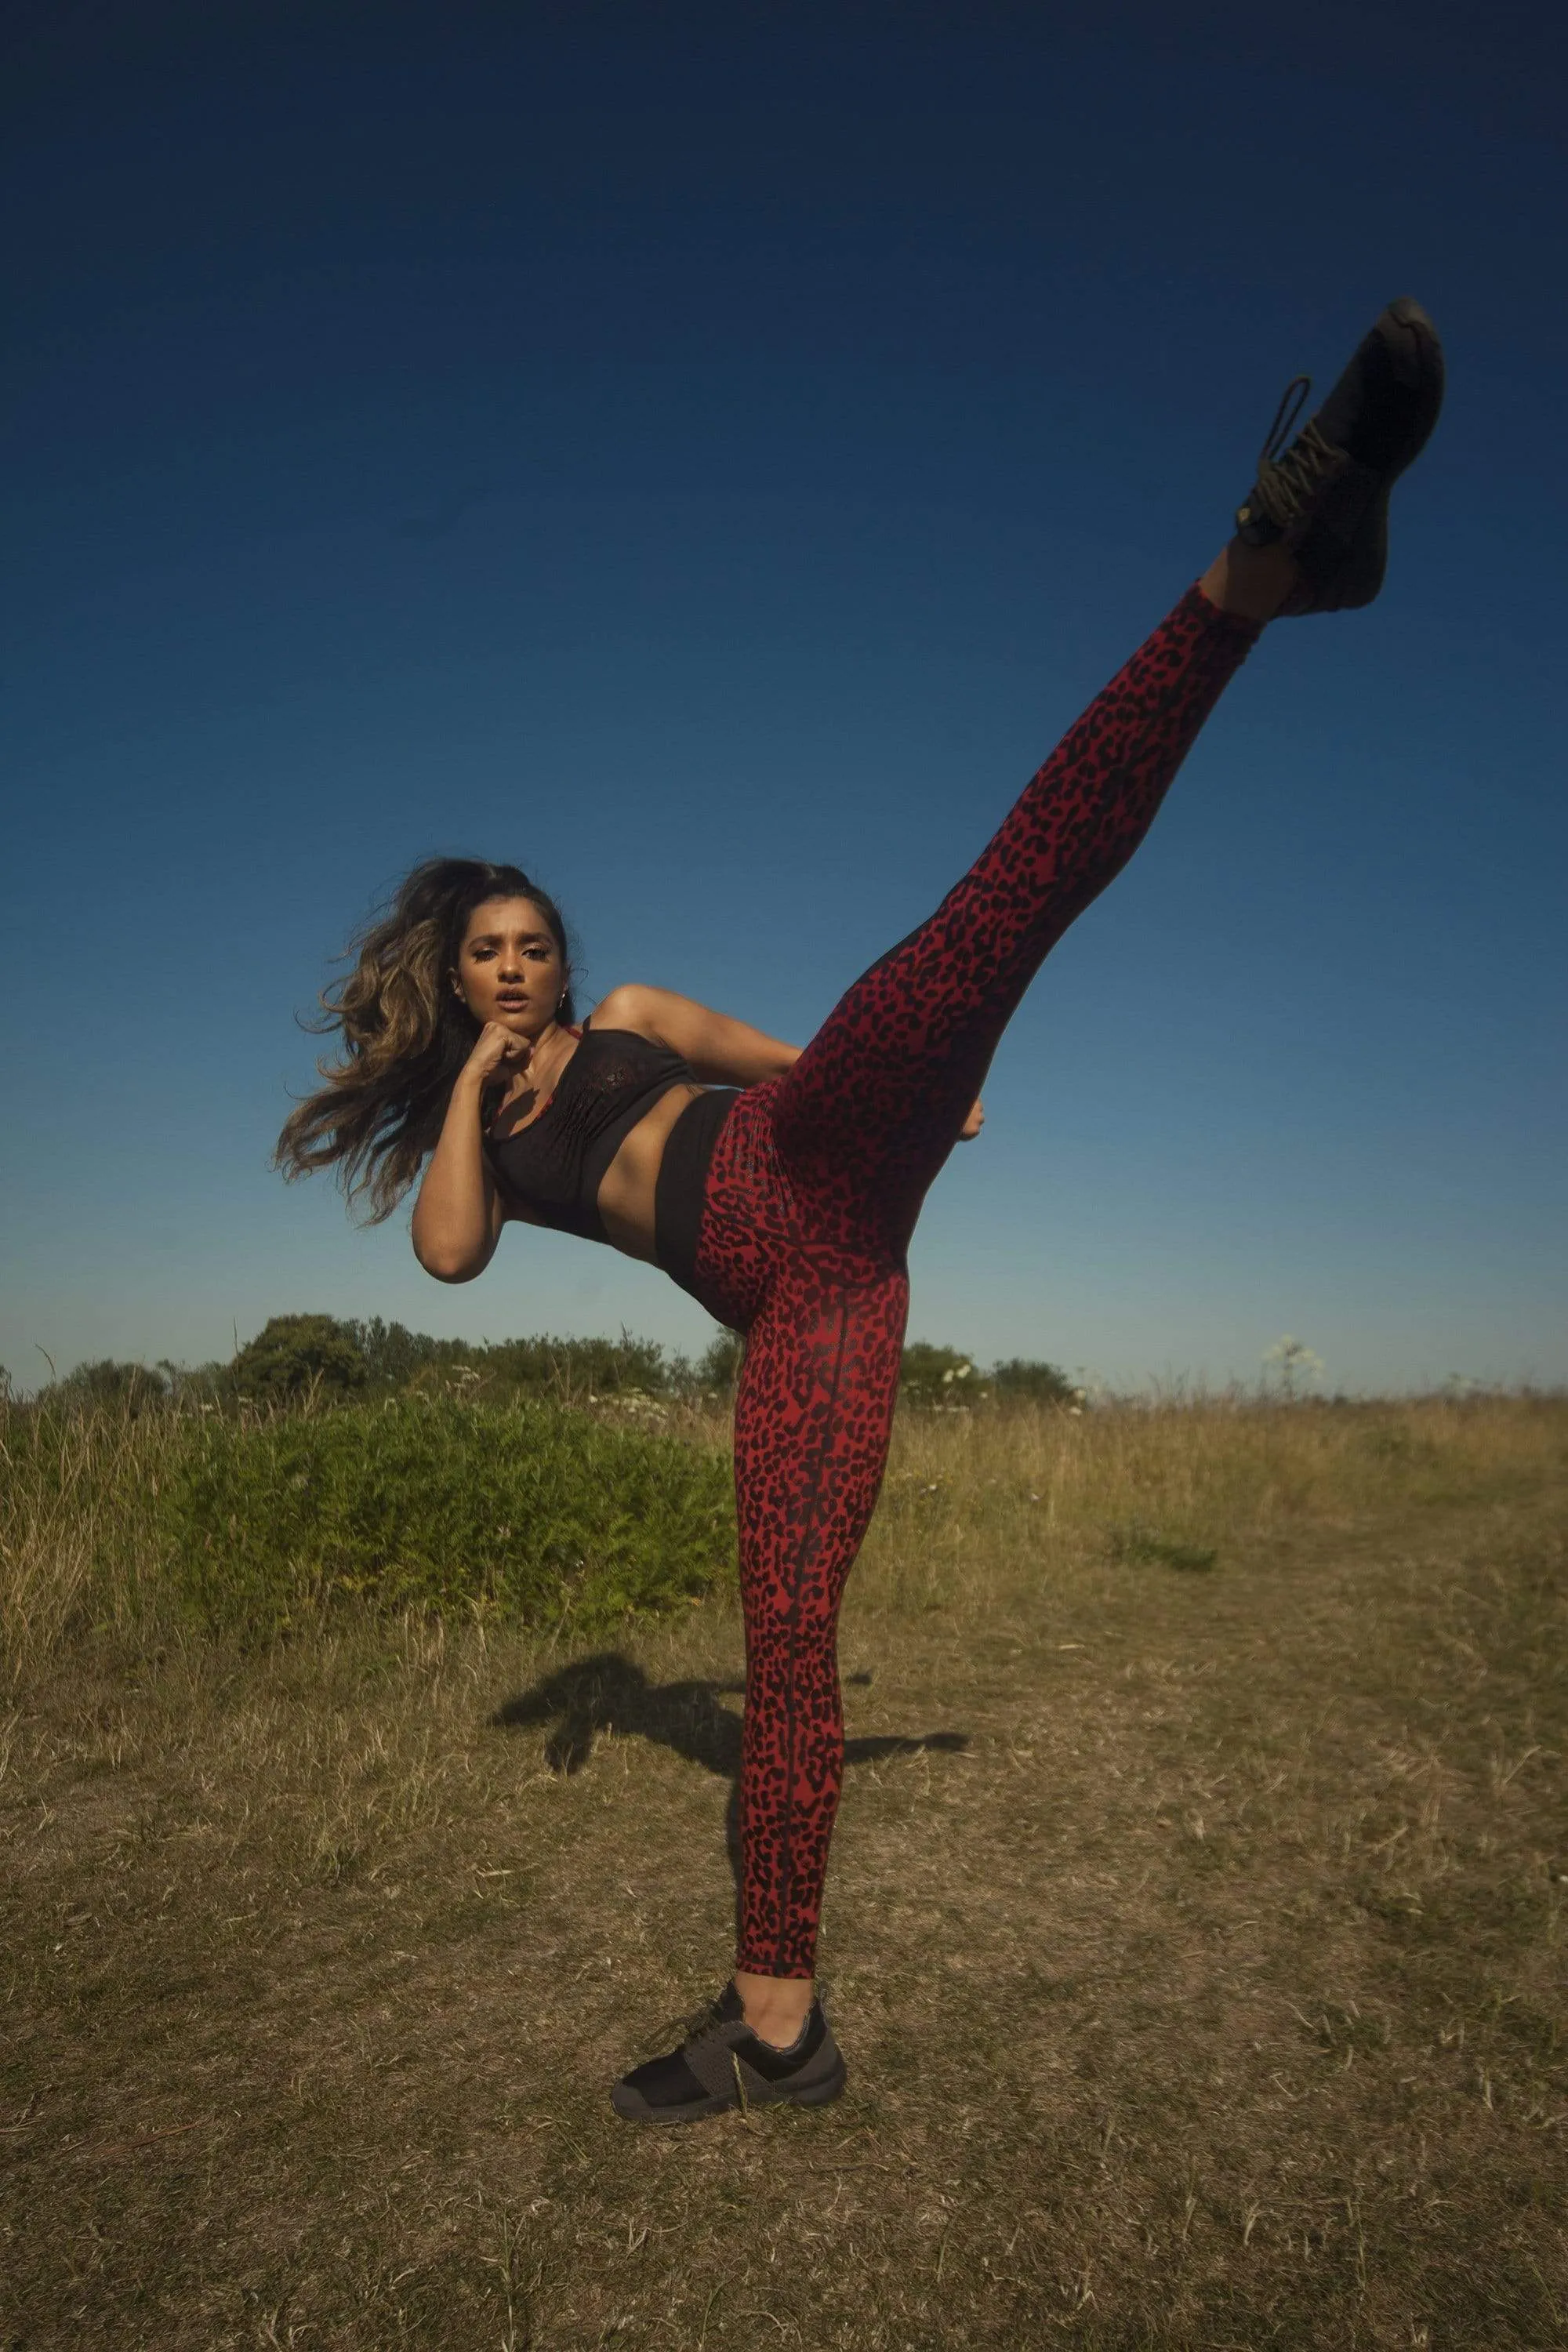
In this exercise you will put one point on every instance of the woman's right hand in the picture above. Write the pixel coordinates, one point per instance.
(458, 1215)
(497, 1049)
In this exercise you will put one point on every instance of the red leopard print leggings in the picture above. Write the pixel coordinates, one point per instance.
(812, 1197)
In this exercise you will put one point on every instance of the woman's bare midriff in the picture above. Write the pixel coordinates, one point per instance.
(627, 1193)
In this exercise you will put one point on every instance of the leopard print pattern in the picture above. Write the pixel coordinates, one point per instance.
(810, 1201)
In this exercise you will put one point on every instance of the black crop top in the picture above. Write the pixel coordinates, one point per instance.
(556, 1163)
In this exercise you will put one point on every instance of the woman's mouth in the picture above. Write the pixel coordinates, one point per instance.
(512, 1004)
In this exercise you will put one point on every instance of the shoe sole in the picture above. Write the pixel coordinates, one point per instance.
(1417, 354)
(814, 2095)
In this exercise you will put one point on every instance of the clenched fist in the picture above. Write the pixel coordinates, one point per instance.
(499, 1049)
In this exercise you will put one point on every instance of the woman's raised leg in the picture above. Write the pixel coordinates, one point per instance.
(872, 1108)
(874, 1104)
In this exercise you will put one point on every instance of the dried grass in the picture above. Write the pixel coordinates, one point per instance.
(1194, 1936)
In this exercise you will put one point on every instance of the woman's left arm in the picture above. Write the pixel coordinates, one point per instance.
(722, 1050)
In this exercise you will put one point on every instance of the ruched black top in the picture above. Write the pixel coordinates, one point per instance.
(555, 1165)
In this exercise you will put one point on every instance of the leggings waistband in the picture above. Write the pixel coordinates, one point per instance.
(681, 1187)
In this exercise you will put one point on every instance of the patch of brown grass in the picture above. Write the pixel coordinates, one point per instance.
(1194, 1935)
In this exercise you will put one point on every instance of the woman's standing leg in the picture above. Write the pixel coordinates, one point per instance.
(812, 1418)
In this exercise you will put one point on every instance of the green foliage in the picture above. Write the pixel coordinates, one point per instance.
(295, 1356)
(199, 1384)
(569, 1371)
(321, 1359)
(394, 1355)
(526, 1509)
(718, 1366)
(111, 1387)
(1021, 1378)
(930, 1375)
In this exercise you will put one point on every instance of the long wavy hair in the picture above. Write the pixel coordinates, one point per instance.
(405, 1034)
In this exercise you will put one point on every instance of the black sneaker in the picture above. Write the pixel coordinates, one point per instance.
(1327, 497)
(724, 2064)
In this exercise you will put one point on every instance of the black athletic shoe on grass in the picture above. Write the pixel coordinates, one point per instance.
(1326, 496)
(722, 2063)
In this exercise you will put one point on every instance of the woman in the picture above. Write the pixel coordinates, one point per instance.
(781, 1187)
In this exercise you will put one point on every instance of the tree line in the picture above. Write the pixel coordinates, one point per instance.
(296, 1357)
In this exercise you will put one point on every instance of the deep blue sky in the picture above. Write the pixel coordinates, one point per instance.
(709, 457)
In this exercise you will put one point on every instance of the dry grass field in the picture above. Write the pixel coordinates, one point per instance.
(1193, 1935)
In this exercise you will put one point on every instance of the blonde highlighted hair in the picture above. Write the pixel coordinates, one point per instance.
(405, 1035)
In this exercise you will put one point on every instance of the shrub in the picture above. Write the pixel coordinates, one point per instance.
(573, 1369)
(109, 1386)
(297, 1355)
(1021, 1377)
(392, 1354)
(527, 1510)
(567, 1369)
(930, 1375)
(718, 1366)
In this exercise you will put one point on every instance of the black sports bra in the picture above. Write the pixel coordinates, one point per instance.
(555, 1165)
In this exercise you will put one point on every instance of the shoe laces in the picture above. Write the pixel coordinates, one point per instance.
(698, 2022)
(1285, 481)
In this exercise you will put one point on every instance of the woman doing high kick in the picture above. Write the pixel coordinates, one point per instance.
(781, 1186)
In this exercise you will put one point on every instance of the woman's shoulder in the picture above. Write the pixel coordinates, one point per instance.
(629, 1006)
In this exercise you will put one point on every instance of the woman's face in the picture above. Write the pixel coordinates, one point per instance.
(509, 967)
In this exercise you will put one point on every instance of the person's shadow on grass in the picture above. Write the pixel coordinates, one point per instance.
(610, 1693)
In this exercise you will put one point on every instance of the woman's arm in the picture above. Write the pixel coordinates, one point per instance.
(460, 1213)
(722, 1050)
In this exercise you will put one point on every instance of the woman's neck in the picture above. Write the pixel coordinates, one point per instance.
(545, 1064)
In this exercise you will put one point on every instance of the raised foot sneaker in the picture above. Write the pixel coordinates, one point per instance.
(722, 2063)
(1325, 498)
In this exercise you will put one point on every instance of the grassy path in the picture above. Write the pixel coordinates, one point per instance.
(1195, 1938)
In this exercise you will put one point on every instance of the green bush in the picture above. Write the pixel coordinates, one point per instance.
(1024, 1378)
(933, 1375)
(569, 1371)
(110, 1386)
(527, 1510)
(295, 1356)
(718, 1367)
